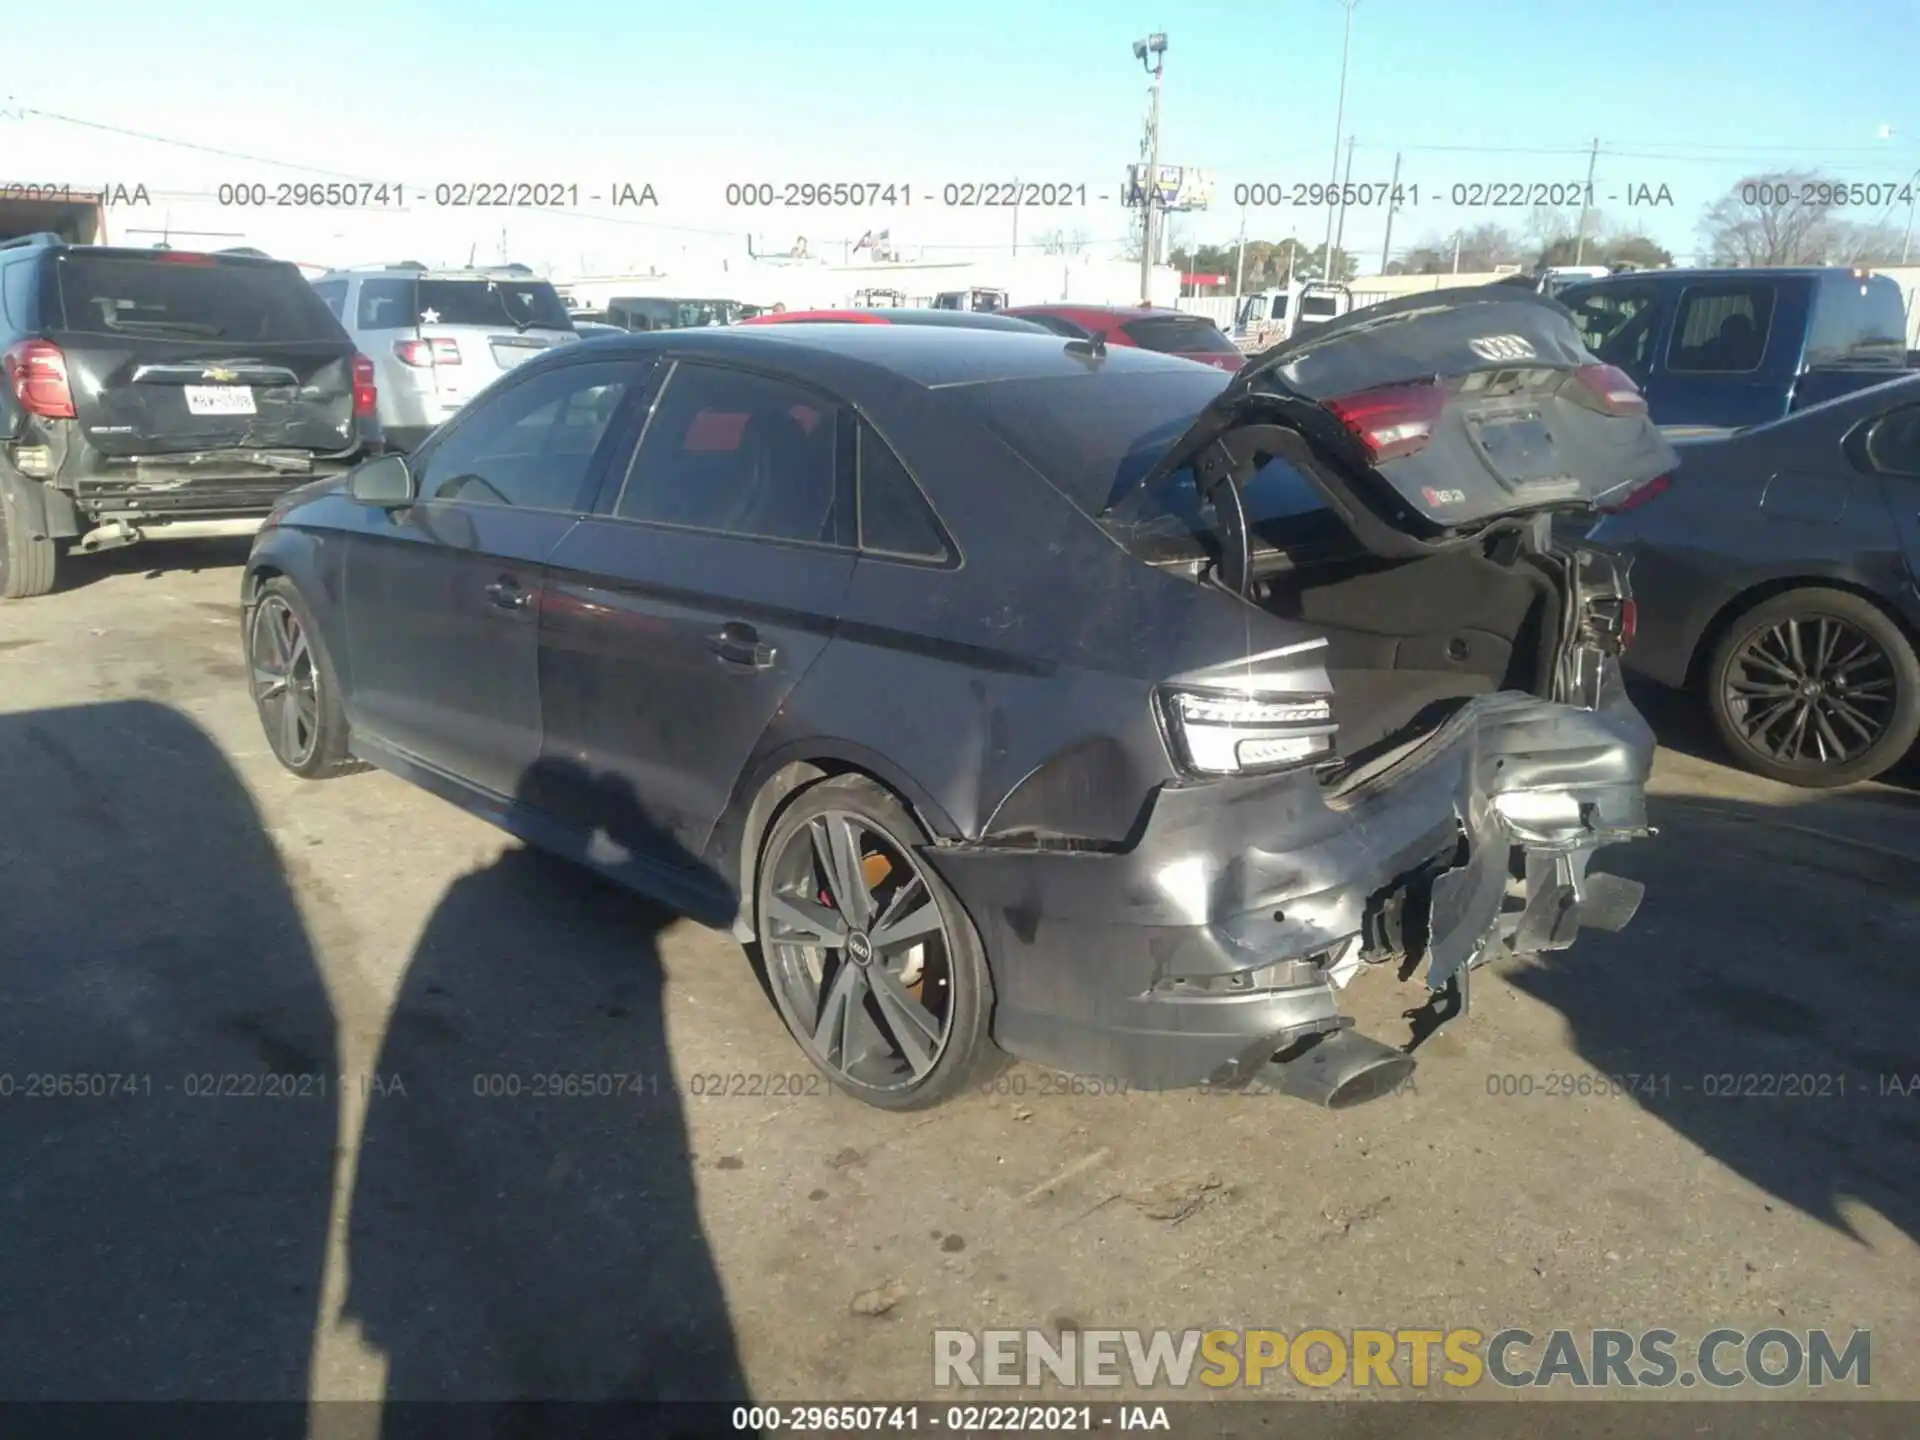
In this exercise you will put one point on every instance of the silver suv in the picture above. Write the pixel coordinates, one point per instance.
(437, 338)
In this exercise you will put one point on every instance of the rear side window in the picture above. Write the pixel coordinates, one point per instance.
(334, 294)
(1616, 323)
(740, 454)
(134, 296)
(532, 445)
(1721, 329)
(1893, 445)
(401, 302)
(895, 518)
(16, 293)
(1057, 325)
(1859, 322)
(1178, 335)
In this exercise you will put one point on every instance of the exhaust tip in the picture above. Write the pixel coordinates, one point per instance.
(1338, 1070)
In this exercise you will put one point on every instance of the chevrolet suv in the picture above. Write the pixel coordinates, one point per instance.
(150, 394)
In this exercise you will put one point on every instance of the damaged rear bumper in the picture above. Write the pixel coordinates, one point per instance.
(1227, 932)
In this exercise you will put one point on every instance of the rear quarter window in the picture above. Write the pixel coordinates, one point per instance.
(1858, 322)
(16, 293)
(134, 296)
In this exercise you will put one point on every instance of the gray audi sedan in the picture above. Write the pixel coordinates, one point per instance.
(1008, 695)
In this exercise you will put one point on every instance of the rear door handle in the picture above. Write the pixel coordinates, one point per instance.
(507, 593)
(740, 644)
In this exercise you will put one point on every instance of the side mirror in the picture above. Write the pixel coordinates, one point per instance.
(386, 482)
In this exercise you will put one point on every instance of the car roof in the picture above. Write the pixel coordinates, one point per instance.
(1723, 272)
(428, 273)
(882, 315)
(931, 356)
(170, 255)
(1106, 312)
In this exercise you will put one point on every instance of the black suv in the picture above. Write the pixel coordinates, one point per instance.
(162, 394)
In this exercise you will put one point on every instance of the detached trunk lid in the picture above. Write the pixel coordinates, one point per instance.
(169, 353)
(1426, 418)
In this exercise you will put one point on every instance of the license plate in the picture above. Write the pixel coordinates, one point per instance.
(219, 400)
(1521, 448)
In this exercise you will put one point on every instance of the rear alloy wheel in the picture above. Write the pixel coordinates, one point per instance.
(26, 559)
(293, 686)
(877, 970)
(1815, 688)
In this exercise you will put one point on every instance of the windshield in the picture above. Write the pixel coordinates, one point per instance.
(672, 314)
(1094, 435)
(191, 300)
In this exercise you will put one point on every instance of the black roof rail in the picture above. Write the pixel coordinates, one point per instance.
(39, 237)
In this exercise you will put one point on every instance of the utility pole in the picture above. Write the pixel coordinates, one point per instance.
(1240, 269)
(1456, 252)
(1339, 120)
(1393, 204)
(1580, 244)
(1150, 52)
(1016, 220)
(1340, 231)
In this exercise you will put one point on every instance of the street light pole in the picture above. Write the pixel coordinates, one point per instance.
(1339, 122)
(1149, 53)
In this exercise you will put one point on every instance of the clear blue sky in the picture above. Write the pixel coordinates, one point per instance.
(1687, 95)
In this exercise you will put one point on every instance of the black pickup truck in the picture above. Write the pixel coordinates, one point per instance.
(1720, 350)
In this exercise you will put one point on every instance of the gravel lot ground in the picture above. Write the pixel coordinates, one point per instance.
(173, 906)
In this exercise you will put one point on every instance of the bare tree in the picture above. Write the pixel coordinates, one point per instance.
(1777, 218)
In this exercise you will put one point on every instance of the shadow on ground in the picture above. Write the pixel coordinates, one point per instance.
(152, 559)
(167, 1073)
(1787, 1051)
(525, 1222)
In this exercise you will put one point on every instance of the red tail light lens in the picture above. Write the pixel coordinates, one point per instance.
(1393, 421)
(37, 371)
(185, 257)
(1613, 388)
(366, 395)
(1629, 623)
(1653, 489)
(422, 353)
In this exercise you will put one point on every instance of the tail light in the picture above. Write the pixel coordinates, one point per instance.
(1652, 490)
(1216, 733)
(37, 371)
(1629, 622)
(422, 353)
(1613, 388)
(185, 257)
(366, 394)
(1392, 421)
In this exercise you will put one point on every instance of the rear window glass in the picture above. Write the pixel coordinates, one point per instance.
(1094, 435)
(1319, 307)
(134, 296)
(1179, 335)
(1721, 328)
(400, 302)
(1859, 322)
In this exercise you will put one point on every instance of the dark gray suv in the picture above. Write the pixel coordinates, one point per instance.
(1010, 694)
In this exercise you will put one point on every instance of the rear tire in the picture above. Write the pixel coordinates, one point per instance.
(1829, 662)
(874, 964)
(292, 680)
(27, 559)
